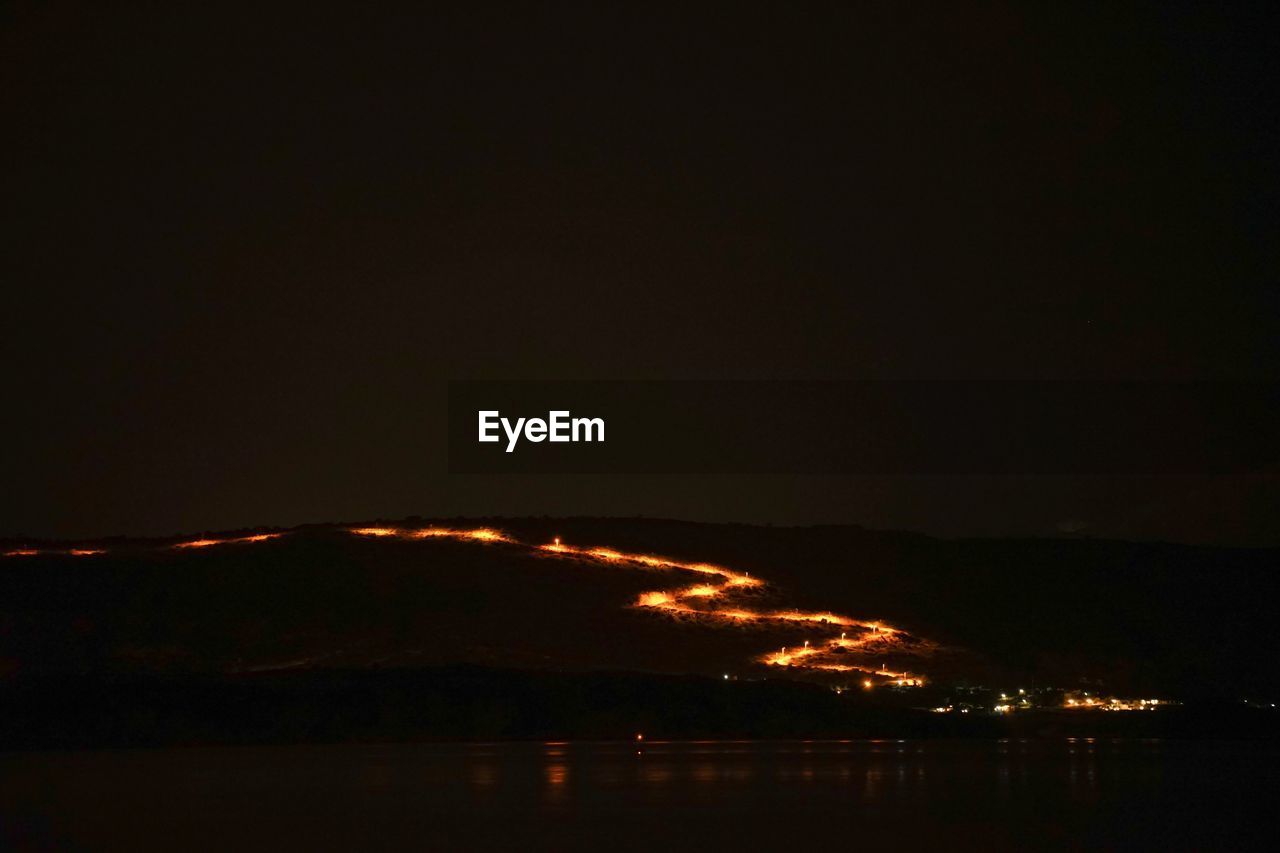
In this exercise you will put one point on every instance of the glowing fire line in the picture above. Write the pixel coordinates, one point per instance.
(206, 543)
(177, 546)
(700, 600)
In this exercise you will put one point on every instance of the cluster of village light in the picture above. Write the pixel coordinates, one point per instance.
(1004, 706)
(1112, 703)
(1056, 699)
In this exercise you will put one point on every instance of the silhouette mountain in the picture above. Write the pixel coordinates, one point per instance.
(1132, 617)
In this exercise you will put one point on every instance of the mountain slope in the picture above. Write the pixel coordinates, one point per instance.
(1173, 619)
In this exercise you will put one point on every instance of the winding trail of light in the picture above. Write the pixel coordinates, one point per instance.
(175, 546)
(206, 543)
(715, 597)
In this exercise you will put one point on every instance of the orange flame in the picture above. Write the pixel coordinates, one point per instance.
(208, 543)
(375, 531)
(688, 601)
(479, 534)
(677, 602)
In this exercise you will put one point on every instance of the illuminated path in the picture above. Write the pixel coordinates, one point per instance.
(93, 552)
(716, 596)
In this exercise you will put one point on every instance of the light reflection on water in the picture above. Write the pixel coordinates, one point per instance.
(484, 775)
(1009, 794)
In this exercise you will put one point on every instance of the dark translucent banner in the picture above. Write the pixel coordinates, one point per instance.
(870, 427)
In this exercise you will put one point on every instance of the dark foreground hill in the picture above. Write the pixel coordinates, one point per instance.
(474, 703)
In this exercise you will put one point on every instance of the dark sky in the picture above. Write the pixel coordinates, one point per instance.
(244, 247)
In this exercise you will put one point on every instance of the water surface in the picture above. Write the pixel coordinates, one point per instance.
(1008, 794)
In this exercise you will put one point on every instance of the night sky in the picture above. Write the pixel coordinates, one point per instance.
(244, 248)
